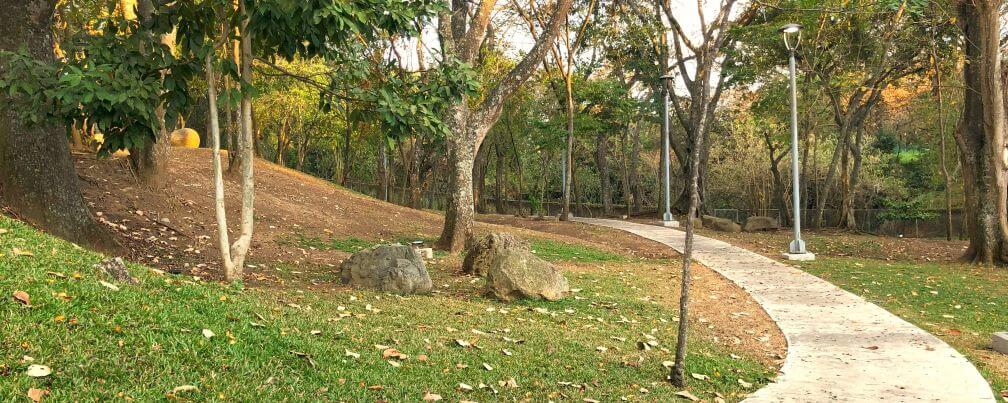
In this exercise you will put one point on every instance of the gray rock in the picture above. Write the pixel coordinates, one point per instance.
(390, 268)
(482, 253)
(999, 342)
(720, 224)
(116, 269)
(518, 274)
(760, 223)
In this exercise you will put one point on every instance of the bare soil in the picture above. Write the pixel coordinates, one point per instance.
(174, 228)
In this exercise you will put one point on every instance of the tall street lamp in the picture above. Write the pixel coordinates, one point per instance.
(667, 219)
(796, 251)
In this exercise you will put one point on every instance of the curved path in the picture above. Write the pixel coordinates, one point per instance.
(840, 347)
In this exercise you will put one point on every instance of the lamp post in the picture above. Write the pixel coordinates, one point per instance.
(796, 251)
(667, 219)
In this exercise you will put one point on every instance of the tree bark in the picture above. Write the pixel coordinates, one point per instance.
(461, 35)
(37, 176)
(569, 150)
(981, 138)
(150, 160)
(383, 169)
(499, 178)
(602, 161)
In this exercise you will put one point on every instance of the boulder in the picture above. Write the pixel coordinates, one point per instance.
(516, 274)
(760, 223)
(720, 224)
(116, 269)
(482, 253)
(390, 268)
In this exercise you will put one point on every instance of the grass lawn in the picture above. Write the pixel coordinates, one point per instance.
(149, 341)
(961, 304)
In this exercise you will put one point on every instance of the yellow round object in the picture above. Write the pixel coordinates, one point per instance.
(185, 137)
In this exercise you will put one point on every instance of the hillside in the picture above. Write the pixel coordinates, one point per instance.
(297, 215)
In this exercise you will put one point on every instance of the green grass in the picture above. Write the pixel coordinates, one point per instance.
(961, 304)
(349, 244)
(561, 251)
(143, 340)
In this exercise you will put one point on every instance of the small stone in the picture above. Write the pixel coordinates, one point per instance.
(999, 342)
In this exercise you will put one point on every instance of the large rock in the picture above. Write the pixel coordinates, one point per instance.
(720, 224)
(482, 253)
(391, 268)
(760, 223)
(515, 274)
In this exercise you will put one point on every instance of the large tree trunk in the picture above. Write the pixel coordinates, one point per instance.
(150, 160)
(981, 140)
(37, 177)
(462, 145)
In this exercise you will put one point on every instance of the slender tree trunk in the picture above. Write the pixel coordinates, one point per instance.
(840, 148)
(625, 167)
(850, 220)
(37, 176)
(518, 166)
(383, 170)
(981, 140)
(937, 89)
(223, 243)
(569, 153)
(499, 179)
(602, 161)
(479, 178)
(638, 190)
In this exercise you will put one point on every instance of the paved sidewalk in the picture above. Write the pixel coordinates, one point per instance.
(840, 347)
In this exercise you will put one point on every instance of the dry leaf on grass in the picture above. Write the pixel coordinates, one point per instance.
(351, 354)
(183, 388)
(22, 297)
(686, 395)
(108, 285)
(208, 333)
(38, 371)
(21, 252)
(36, 394)
(431, 397)
(744, 384)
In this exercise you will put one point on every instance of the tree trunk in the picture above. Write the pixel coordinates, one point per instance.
(518, 166)
(841, 146)
(625, 168)
(499, 178)
(459, 215)
(479, 178)
(37, 176)
(602, 161)
(150, 159)
(849, 219)
(637, 189)
(383, 169)
(981, 140)
(569, 153)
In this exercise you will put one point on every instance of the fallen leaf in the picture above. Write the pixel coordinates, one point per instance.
(351, 354)
(110, 286)
(701, 377)
(21, 252)
(872, 347)
(431, 397)
(22, 297)
(38, 371)
(465, 387)
(686, 395)
(508, 383)
(667, 364)
(744, 384)
(36, 394)
(3, 231)
(487, 367)
(421, 357)
(463, 343)
(208, 333)
(393, 353)
(184, 388)
(316, 332)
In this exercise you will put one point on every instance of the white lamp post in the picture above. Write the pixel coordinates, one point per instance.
(796, 251)
(667, 219)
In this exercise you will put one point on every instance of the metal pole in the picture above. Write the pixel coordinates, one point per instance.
(797, 245)
(666, 167)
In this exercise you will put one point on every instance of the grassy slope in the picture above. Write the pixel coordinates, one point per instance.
(961, 304)
(142, 341)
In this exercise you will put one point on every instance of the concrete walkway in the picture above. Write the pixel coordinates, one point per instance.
(840, 347)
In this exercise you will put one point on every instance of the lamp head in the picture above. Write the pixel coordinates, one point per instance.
(788, 31)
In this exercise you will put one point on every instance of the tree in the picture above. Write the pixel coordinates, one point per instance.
(37, 178)
(462, 31)
(981, 136)
(704, 87)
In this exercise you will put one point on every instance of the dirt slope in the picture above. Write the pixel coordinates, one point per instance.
(175, 228)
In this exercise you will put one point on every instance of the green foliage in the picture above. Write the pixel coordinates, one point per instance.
(914, 208)
(113, 80)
